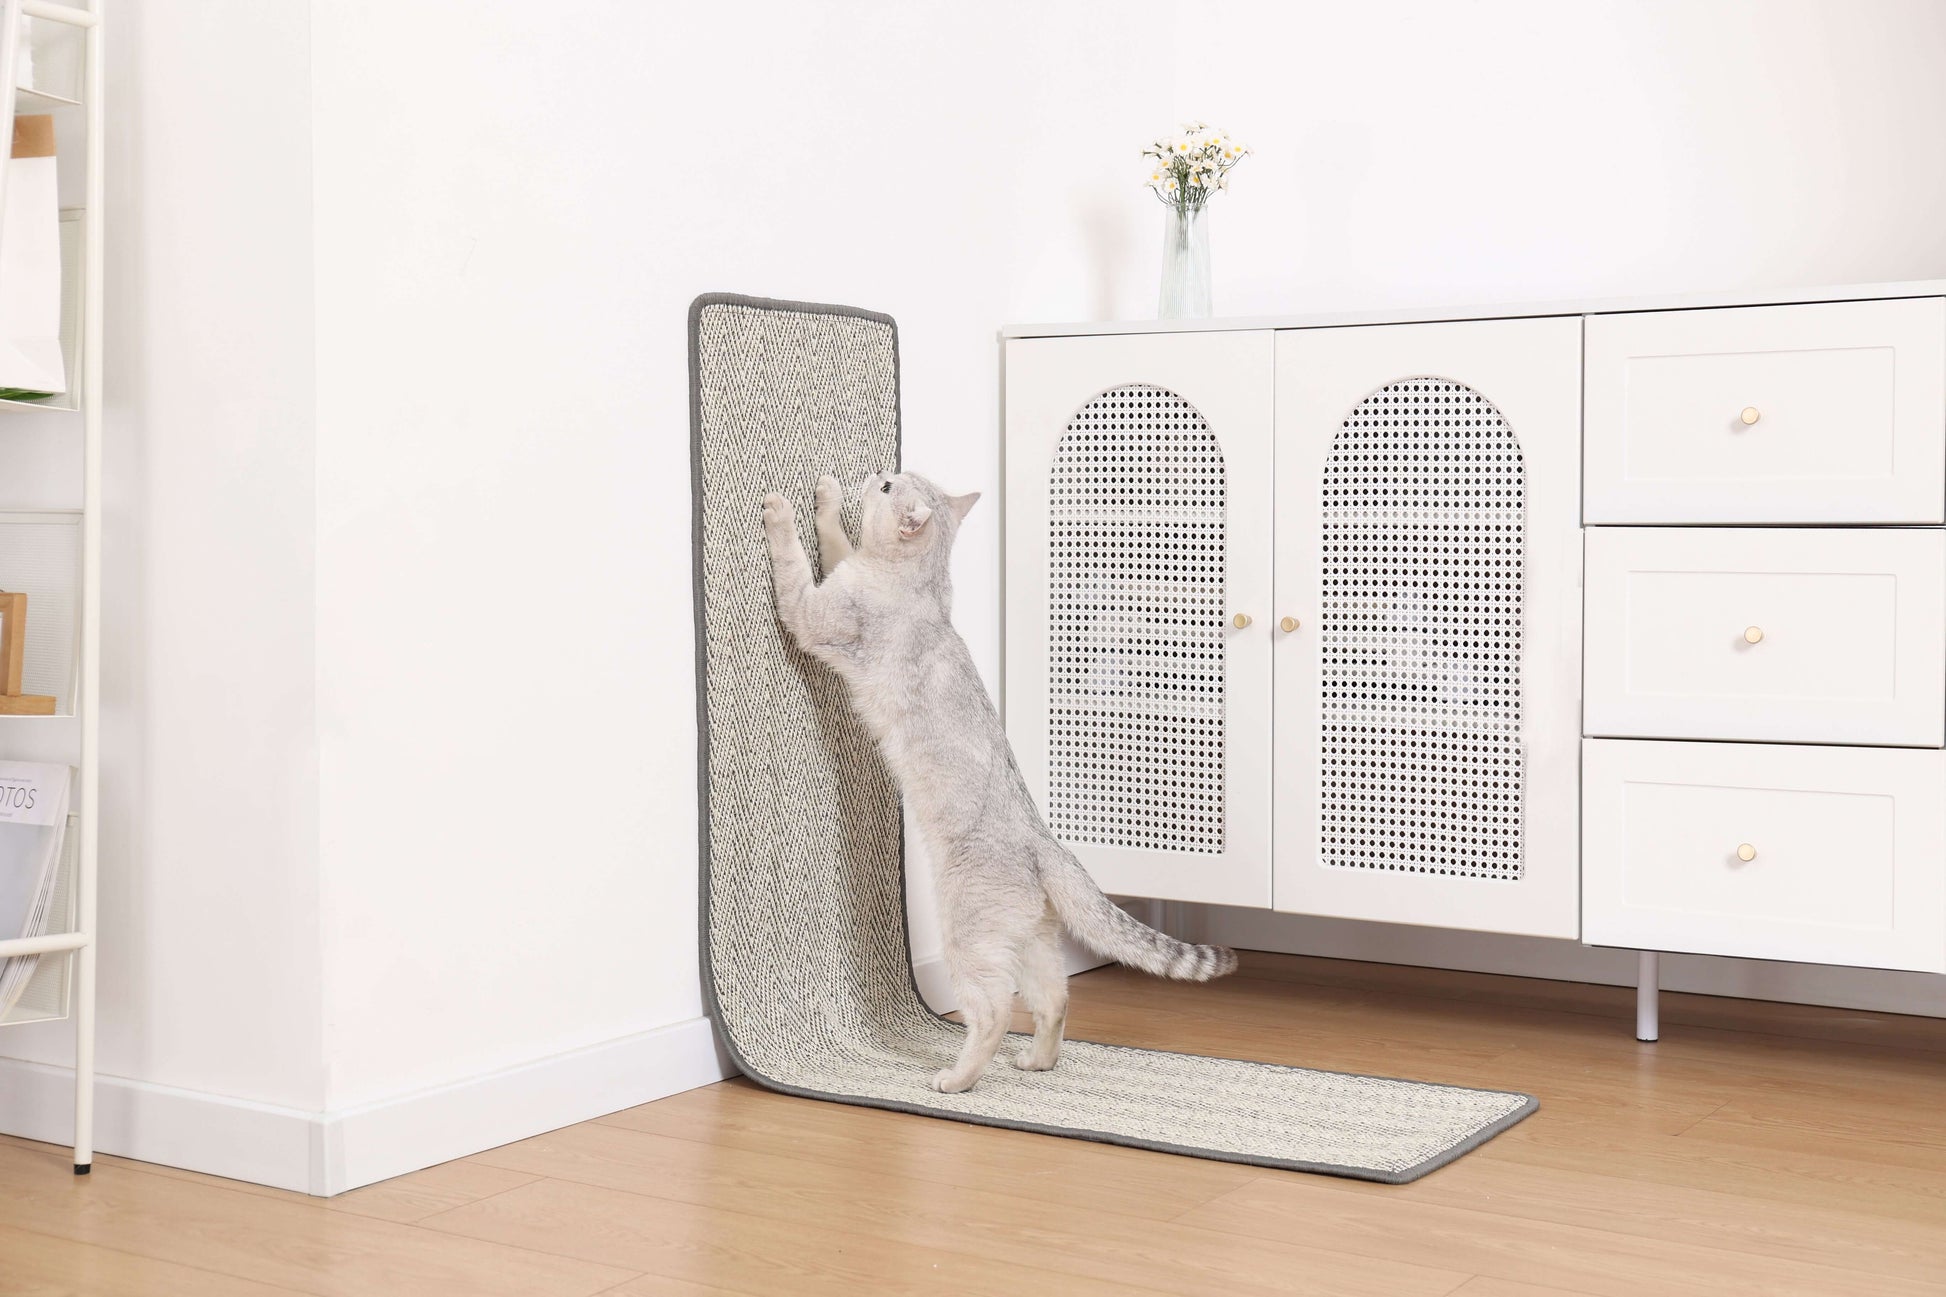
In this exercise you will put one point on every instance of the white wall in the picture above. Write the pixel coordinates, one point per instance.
(398, 486)
(504, 571)
(1511, 150)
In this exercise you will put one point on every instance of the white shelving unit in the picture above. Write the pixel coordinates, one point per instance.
(64, 981)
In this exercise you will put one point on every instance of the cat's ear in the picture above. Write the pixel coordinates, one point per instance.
(961, 505)
(913, 520)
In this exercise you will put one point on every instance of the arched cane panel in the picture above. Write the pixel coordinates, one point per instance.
(1135, 642)
(1421, 765)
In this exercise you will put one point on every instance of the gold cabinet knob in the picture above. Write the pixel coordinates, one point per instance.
(1288, 625)
(1751, 414)
(1745, 851)
(1241, 620)
(1753, 634)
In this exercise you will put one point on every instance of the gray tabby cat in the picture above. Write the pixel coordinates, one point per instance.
(881, 620)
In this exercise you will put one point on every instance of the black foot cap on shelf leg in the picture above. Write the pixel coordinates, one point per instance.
(82, 1168)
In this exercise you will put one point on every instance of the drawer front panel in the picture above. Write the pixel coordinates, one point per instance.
(1786, 635)
(1778, 414)
(1846, 852)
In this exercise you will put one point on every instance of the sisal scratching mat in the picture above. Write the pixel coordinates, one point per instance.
(805, 964)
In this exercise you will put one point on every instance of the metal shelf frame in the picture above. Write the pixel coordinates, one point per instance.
(80, 945)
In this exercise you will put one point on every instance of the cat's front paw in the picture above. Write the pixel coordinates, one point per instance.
(1027, 1062)
(830, 495)
(946, 1081)
(778, 514)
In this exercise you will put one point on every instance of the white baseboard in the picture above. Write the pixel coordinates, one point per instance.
(328, 1153)
(364, 1145)
(233, 1138)
(1566, 961)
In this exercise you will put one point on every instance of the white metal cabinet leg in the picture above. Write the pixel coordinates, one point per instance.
(1648, 1018)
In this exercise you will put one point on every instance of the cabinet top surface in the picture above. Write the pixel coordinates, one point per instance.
(1501, 311)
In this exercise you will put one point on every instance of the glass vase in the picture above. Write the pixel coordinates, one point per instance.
(1185, 264)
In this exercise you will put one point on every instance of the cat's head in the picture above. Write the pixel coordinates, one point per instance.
(905, 513)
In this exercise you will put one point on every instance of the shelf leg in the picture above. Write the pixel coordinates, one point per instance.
(83, 991)
(1648, 1017)
(89, 708)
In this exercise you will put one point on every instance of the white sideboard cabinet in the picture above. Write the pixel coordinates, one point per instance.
(1618, 621)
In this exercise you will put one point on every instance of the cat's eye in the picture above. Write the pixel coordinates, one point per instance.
(886, 489)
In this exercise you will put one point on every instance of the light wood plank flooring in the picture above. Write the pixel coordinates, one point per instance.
(1758, 1148)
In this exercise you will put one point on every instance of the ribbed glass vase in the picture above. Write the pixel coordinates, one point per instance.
(1185, 264)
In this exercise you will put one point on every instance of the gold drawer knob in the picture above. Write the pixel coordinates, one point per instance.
(1241, 620)
(1288, 625)
(1753, 634)
(1745, 851)
(1751, 414)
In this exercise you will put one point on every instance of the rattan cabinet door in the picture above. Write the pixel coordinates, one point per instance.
(1138, 627)
(1428, 610)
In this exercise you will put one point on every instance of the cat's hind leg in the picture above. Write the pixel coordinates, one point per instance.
(986, 1001)
(1044, 989)
(834, 547)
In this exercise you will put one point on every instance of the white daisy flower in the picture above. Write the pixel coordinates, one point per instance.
(1185, 169)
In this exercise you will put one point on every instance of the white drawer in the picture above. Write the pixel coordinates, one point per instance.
(1849, 629)
(1848, 851)
(1849, 400)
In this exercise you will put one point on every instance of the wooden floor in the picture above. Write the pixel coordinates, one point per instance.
(1757, 1149)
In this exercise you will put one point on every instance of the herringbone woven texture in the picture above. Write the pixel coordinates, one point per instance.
(804, 938)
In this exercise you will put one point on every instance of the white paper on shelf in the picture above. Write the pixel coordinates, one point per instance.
(30, 274)
(33, 820)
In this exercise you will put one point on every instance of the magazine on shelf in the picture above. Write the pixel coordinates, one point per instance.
(33, 821)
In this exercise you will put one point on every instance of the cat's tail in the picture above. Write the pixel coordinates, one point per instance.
(1107, 929)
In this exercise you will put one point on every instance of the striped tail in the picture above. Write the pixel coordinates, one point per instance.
(1108, 930)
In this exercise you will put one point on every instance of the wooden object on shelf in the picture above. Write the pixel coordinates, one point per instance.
(26, 704)
(13, 641)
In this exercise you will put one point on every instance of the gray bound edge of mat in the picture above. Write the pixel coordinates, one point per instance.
(710, 1002)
